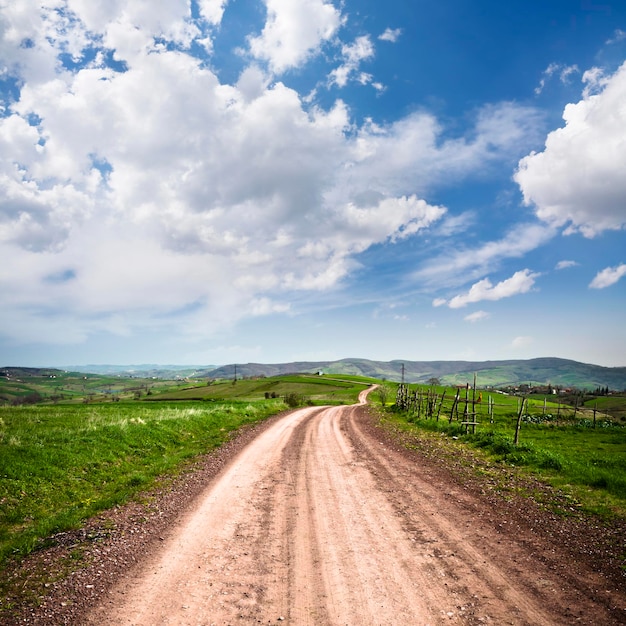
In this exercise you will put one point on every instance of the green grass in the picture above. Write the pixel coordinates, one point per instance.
(556, 443)
(57, 386)
(62, 464)
(615, 405)
(327, 389)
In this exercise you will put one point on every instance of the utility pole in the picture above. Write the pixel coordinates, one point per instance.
(403, 373)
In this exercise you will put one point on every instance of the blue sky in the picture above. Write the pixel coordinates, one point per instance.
(223, 181)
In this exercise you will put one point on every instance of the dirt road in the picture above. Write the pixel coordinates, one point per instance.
(320, 522)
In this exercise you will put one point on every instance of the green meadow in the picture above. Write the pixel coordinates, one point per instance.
(62, 464)
(312, 389)
(580, 450)
(66, 460)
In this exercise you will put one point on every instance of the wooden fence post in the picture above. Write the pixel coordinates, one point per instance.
(474, 397)
(443, 395)
(454, 405)
(519, 422)
(466, 409)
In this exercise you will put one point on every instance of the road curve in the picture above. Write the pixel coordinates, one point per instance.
(318, 522)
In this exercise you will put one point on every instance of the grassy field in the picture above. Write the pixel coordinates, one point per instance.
(66, 460)
(62, 464)
(325, 389)
(561, 443)
(57, 386)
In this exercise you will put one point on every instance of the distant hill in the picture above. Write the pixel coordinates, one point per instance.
(540, 371)
(146, 370)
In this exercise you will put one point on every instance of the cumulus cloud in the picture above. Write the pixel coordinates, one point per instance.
(413, 153)
(608, 276)
(141, 190)
(520, 282)
(476, 317)
(578, 180)
(212, 10)
(391, 34)
(353, 54)
(561, 265)
(294, 31)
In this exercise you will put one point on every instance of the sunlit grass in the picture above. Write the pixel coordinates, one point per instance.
(555, 442)
(62, 464)
(336, 389)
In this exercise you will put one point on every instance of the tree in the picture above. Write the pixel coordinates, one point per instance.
(383, 392)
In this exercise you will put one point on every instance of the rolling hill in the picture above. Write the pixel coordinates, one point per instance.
(539, 371)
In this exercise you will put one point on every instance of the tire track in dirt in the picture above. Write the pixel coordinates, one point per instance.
(319, 522)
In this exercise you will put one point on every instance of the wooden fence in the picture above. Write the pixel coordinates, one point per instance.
(468, 406)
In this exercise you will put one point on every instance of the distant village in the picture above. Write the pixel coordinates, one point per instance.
(553, 390)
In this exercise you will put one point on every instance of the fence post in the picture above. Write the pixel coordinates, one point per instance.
(519, 422)
(454, 405)
(443, 395)
(474, 397)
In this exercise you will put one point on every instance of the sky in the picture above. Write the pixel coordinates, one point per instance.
(223, 181)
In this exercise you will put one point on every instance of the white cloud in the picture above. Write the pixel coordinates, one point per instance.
(520, 282)
(391, 34)
(608, 276)
(413, 153)
(294, 31)
(158, 193)
(212, 10)
(618, 35)
(578, 180)
(456, 268)
(561, 265)
(522, 342)
(144, 191)
(353, 54)
(563, 71)
(477, 316)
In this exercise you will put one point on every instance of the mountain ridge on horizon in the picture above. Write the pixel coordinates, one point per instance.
(540, 370)
(555, 371)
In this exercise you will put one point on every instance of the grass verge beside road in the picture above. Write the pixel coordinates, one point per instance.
(62, 464)
(562, 448)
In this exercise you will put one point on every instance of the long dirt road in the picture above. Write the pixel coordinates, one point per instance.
(319, 522)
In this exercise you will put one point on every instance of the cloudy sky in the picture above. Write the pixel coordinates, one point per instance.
(222, 181)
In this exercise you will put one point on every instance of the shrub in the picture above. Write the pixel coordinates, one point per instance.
(30, 398)
(293, 400)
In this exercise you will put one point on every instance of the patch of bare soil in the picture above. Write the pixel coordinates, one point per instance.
(320, 516)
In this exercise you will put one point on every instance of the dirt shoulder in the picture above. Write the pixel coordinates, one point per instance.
(529, 507)
(460, 515)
